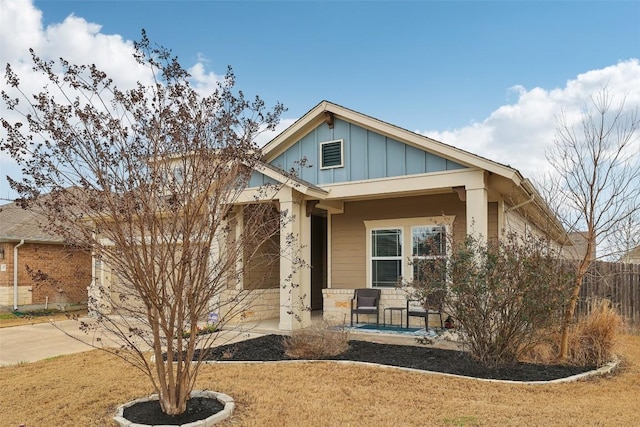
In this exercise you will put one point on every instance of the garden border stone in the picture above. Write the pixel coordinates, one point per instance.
(226, 412)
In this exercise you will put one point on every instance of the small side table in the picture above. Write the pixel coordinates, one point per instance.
(391, 310)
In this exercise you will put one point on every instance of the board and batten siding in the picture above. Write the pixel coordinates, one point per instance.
(348, 234)
(367, 155)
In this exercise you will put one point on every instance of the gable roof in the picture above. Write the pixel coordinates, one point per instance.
(17, 224)
(325, 111)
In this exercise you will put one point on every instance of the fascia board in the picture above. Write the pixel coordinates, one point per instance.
(304, 124)
(12, 239)
(407, 183)
(295, 184)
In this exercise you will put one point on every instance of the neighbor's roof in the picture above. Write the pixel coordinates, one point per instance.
(17, 224)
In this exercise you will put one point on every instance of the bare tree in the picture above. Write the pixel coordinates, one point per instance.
(147, 178)
(595, 184)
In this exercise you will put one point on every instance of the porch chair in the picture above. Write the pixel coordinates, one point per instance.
(426, 307)
(366, 301)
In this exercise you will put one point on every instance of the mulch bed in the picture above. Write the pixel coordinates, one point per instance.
(270, 348)
(150, 413)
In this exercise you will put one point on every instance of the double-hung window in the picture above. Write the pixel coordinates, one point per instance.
(404, 249)
(428, 246)
(386, 257)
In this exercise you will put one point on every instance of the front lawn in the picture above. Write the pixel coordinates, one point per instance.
(39, 316)
(85, 388)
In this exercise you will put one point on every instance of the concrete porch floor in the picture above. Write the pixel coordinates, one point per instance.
(270, 326)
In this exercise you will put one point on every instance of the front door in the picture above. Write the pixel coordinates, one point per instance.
(318, 260)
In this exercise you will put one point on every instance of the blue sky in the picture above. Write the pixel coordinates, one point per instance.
(471, 74)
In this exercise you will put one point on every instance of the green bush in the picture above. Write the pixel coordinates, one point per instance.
(501, 295)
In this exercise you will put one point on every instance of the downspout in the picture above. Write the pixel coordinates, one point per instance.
(15, 274)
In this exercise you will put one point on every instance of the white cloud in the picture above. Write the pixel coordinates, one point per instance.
(205, 82)
(266, 136)
(20, 28)
(518, 134)
(79, 42)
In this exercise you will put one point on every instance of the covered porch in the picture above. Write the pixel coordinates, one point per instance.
(325, 248)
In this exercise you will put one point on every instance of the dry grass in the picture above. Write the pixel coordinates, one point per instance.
(592, 340)
(318, 341)
(84, 390)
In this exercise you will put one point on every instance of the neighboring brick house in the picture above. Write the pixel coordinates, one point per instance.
(46, 272)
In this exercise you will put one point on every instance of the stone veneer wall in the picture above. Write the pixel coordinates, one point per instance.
(260, 304)
(337, 308)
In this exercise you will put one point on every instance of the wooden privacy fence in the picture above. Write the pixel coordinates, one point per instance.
(618, 282)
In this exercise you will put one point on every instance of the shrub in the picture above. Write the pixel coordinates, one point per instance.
(502, 295)
(317, 341)
(592, 339)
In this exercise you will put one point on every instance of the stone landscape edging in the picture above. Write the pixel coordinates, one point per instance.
(229, 406)
(603, 370)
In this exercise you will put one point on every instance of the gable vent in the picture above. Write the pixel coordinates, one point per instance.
(331, 154)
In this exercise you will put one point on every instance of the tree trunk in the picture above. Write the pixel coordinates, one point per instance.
(571, 308)
(174, 403)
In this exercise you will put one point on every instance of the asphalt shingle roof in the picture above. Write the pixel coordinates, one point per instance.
(17, 224)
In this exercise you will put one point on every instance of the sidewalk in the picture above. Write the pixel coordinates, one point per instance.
(40, 341)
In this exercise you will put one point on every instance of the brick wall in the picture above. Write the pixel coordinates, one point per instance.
(61, 273)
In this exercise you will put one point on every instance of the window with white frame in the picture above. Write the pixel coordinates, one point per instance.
(386, 257)
(425, 239)
(428, 244)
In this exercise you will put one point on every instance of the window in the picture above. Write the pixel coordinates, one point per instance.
(386, 257)
(428, 245)
(331, 154)
(425, 240)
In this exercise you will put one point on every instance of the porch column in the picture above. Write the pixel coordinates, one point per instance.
(295, 262)
(238, 214)
(477, 212)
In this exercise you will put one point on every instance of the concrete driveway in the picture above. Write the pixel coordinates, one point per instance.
(30, 343)
(40, 341)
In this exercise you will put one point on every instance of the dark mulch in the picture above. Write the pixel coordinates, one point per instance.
(150, 413)
(270, 348)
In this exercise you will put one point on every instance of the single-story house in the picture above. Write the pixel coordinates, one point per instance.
(37, 269)
(369, 193)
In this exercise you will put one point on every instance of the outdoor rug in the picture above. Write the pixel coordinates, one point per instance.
(371, 328)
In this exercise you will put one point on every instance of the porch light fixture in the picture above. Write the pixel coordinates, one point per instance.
(1, 253)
